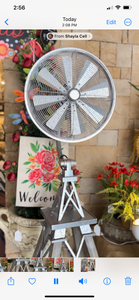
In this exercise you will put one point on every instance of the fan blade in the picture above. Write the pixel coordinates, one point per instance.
(67, 62)
(75, 123)
(95, 113)
(89, 69)
(99, 91)
(44, 76)
(41, 102)
(57, 116)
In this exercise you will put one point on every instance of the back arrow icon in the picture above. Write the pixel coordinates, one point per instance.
(6, 22)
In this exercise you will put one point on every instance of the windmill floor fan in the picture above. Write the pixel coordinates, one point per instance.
(75, 101)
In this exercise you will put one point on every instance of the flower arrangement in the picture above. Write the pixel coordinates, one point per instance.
(122, 189)
(50, 263)
(71, 266)
(79, 174)
(43, 167)
(11, 168)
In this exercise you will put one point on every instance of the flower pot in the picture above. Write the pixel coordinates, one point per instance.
(29, 228)
(126, 224)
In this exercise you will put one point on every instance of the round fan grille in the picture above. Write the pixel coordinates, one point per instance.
(70, 95)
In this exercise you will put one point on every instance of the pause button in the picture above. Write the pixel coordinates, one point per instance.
(56, 281)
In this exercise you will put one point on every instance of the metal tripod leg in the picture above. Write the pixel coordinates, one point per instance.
(43, 239)
(86, 236)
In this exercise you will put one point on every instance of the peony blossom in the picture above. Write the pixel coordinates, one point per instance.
(16, 137)
(46, 159)
(7, 165)
(27, 62)
(18, 48)
(38, 33)
(35, 175)
(48, 177)
(16, 59)
(11, 176)
(76, 172)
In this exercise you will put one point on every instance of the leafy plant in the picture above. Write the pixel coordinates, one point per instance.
(122, 190)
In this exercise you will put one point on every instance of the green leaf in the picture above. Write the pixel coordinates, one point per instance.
(32, 185)
(56, 182)
(50, 187)
(25, 181)
(134, 86)
(27, 163)
(26, 70)
(45, 147)
(37, 146)
(33, 147)
(28, 171)
(54, 187)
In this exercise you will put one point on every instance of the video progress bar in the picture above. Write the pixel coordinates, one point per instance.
(71, 296)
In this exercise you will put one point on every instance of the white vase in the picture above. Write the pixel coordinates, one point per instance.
(30, 231)
(135, 230)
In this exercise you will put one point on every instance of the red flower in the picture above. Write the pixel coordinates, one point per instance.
(99, 176)
(46, 159)
(38, 33)
(16, 59)
(18, 48)
(76, 172)
(114, 163)
(27, 62)
(35, 175)
(133, 169)
(126, 182)
(7, 165)
(52, 47)
(11, 176)
(48, 177)
(121, 165)
(113, 183)
(16, 137)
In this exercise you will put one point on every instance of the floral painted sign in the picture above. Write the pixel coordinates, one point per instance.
(38, 170)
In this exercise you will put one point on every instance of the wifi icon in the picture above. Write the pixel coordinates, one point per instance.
(118, 6)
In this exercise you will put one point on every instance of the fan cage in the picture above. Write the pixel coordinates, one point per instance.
(53, 62)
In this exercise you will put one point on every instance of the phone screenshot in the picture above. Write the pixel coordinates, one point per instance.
(69, 150)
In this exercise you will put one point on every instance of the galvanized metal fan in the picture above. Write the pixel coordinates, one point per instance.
(75, 100)
(76, 95)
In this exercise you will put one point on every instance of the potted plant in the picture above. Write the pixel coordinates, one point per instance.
(122, 189)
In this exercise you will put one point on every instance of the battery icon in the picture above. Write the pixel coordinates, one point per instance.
(127, 7)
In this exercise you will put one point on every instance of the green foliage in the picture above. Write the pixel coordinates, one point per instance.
(27, 212)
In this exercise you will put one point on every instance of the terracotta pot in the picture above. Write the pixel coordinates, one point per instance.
(126, 224)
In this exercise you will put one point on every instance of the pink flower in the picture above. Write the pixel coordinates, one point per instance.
(46, 159)
(76, 172)
(11, 176)
(78, 180)
(14, 163)
(35, 175)
(48, 177)
(16, 137)
(7, 165)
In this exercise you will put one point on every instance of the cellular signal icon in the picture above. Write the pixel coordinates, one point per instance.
(118, 6)
(110, 7)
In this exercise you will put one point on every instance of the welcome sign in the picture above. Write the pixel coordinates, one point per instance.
(38, 170)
